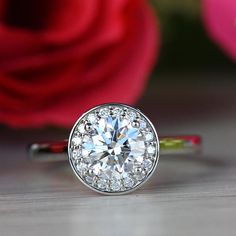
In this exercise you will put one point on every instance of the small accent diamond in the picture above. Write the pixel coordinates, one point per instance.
(117, 111)
(147, 164)
(143, 124)
(82, 167)
(92, 118)
(151, 149)
(102, 184)
(128, 182)
(81, 128)
(131, 115)
(75, 153)
(115, 185)
(76, 140)
(149, 136)
(104, 112)
(89, 179)
(139, 173)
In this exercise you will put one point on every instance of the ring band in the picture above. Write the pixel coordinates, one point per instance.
(114, 148)
(169, 145)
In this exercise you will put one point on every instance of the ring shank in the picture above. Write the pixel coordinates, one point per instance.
(169, 145)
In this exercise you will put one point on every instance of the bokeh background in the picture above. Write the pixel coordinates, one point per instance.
(59, 58)
(186, 44)
(194, 76)
(190, 90)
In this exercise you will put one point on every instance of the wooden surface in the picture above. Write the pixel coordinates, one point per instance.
(188, 195)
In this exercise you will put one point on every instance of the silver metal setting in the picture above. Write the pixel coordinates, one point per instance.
(111, 109)
(117, 151)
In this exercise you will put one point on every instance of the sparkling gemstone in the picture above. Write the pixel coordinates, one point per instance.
(82, 167)
(139, 173)
(92, 118)
(147, 164)
(149, 136)
(89, 179)
(75, 153)
(151, 149)
(128, 182)
(102, 184)
(115, 185)
(81, 128)
(104, 112)
(116, 151)
(131, 114)
(143, 124)
(76, 140)
(117, 111)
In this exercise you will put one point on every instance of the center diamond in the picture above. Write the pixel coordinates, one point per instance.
(114, 148)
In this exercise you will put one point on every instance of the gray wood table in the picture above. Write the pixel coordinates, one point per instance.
(192, 195)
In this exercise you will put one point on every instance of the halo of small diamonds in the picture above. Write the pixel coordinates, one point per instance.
(113, 148)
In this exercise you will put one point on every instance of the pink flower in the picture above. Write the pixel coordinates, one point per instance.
(220, 20)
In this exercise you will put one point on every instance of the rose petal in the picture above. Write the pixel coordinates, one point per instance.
(69, 20)
(114, 70)
(220, 19)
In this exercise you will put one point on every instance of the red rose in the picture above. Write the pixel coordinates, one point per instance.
(60, 57)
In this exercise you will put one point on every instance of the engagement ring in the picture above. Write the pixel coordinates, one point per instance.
(113, 148)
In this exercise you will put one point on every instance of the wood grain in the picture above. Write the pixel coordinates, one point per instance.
(195, 195)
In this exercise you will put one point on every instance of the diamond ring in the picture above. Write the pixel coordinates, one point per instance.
(113, 148)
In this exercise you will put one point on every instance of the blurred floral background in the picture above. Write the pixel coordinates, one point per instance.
(197, 36)
(60, 57)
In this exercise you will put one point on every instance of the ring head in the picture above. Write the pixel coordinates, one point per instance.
(113, 148)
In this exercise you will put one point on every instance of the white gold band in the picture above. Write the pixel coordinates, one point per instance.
(169, 145)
